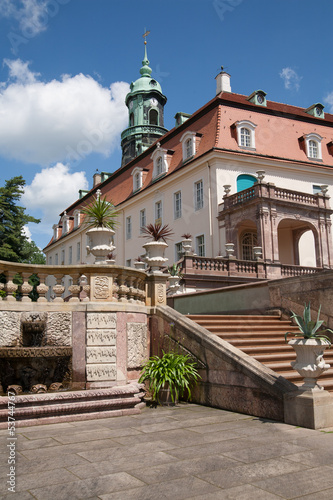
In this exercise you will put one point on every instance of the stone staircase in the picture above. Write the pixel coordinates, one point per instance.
(263, 338)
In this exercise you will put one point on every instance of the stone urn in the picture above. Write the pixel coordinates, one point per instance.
(187, 246)
(100, 243)
(310, 362)
(155, 255)
(139, 265)
(230, 249)
(174, 284)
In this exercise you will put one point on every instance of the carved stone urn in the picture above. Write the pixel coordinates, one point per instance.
(187, 246)
(155, 255)
(310, 362)
(100, 243)
(174, 284)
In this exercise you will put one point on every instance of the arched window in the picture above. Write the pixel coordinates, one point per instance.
(245, 137)
(132, 120)
(248, 241)
(153, 117)
(313, 149)
(245, 181)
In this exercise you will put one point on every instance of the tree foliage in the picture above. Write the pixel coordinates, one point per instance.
(14, 244)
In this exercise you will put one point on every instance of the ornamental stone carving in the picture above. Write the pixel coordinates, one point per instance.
(101, 354)
(101, 287)
(9, 328)
(101, 337)
(58, 329)
(136, 344)
(101, 320)
(101, 372)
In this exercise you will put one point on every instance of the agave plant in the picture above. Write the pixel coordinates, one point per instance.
(157, 232)
(100, 213)
(187, 236)
(174, 370)
(308, 328)
(175, 270)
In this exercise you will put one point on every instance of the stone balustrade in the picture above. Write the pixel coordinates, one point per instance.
(74, 283)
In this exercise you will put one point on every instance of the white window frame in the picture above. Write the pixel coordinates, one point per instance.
(198, 202)
(199, 246)
(78, 251)
(160, 160)
(177, 205)
(137, 178)
(188, 147)
(55, 231)
(317, 139)
(143, 219)
(178, 251)
(65, 223)
(159, 211)
(128, 227)
(56, 261)
(250, 126)
(77, 218)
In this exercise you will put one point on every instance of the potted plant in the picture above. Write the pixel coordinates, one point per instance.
(169, 377)
(139, 264)
(174, 278)
(156, 248)
(187, 243)
(101, 220)
(309, 362)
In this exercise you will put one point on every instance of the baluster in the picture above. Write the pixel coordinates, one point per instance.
(58, 288)
(10, 286)
(131, 291)
(42, 288)
(85, 287)
(26, 288)
(75, 288)
(123, 289)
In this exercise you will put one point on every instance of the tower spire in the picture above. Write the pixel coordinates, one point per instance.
(145, 70)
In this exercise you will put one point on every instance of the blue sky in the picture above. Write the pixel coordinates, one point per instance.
(67, 64)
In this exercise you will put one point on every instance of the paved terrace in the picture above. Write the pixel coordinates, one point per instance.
(188, 451)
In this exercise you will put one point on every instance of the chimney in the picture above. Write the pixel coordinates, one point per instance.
(97, 177)
(222, 82)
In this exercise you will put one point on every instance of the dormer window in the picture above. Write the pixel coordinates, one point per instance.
(77, 218)
(137, 179)
(55, 231)
(65, 223)
(188, 142)
(245, 134)
(313, 146)
(160, 159)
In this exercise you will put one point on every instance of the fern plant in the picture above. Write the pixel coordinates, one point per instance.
(308, 328)
(176, 371)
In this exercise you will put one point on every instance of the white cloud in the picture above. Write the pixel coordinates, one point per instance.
(61, 120)
(26, 231)
(51, 191)
(329, 101)
(31, 15)
(291, 79)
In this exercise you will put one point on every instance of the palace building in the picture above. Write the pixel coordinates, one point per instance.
(241, 170)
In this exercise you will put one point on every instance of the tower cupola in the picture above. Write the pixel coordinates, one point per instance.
(145, 103)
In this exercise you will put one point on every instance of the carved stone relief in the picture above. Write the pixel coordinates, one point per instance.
(101, 287)
(58, 328)
(101, 320)
(101, 353)
(137, 344)
(101, 337)
(9, 328)
(99, 372)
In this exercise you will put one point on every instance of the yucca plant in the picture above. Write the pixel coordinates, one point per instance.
(187, 236)
(100, 213)
(175, 270)
(157, 232)
(308, 328)
(176, 371)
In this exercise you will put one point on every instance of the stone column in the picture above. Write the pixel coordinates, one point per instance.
(156, 289)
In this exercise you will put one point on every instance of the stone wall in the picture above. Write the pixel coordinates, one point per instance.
(231, 379)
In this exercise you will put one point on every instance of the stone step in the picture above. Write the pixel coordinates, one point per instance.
(32, 409)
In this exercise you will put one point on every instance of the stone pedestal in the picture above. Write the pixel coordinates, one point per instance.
(156, 289)
(311, 408)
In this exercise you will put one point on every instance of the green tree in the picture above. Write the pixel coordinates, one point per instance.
(14, 245)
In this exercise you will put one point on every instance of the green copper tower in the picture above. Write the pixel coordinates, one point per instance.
(145, 104)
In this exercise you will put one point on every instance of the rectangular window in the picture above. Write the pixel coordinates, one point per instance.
(62, 257)
(177, 199)
(178, 251)
(142, 219)
(70, 255)
(316, 189)
(56, 259)
(158, 212)
(128, 263)
(128, 228)
(78, 252)
(50, 261)
(200, 245)
(198, 195)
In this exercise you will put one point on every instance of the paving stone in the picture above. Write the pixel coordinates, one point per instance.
(178, 489)
(85, 489)
(322, 495)
(244, 474)
(21, 495)
(28, 444)
(183, 468)
(69, 448)
(244, 492)
(139, 449)
(276, 449)
(46, 464)
(42, 478)
(304, 482)
(78, 437)
(313, 457)
(121, 464)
